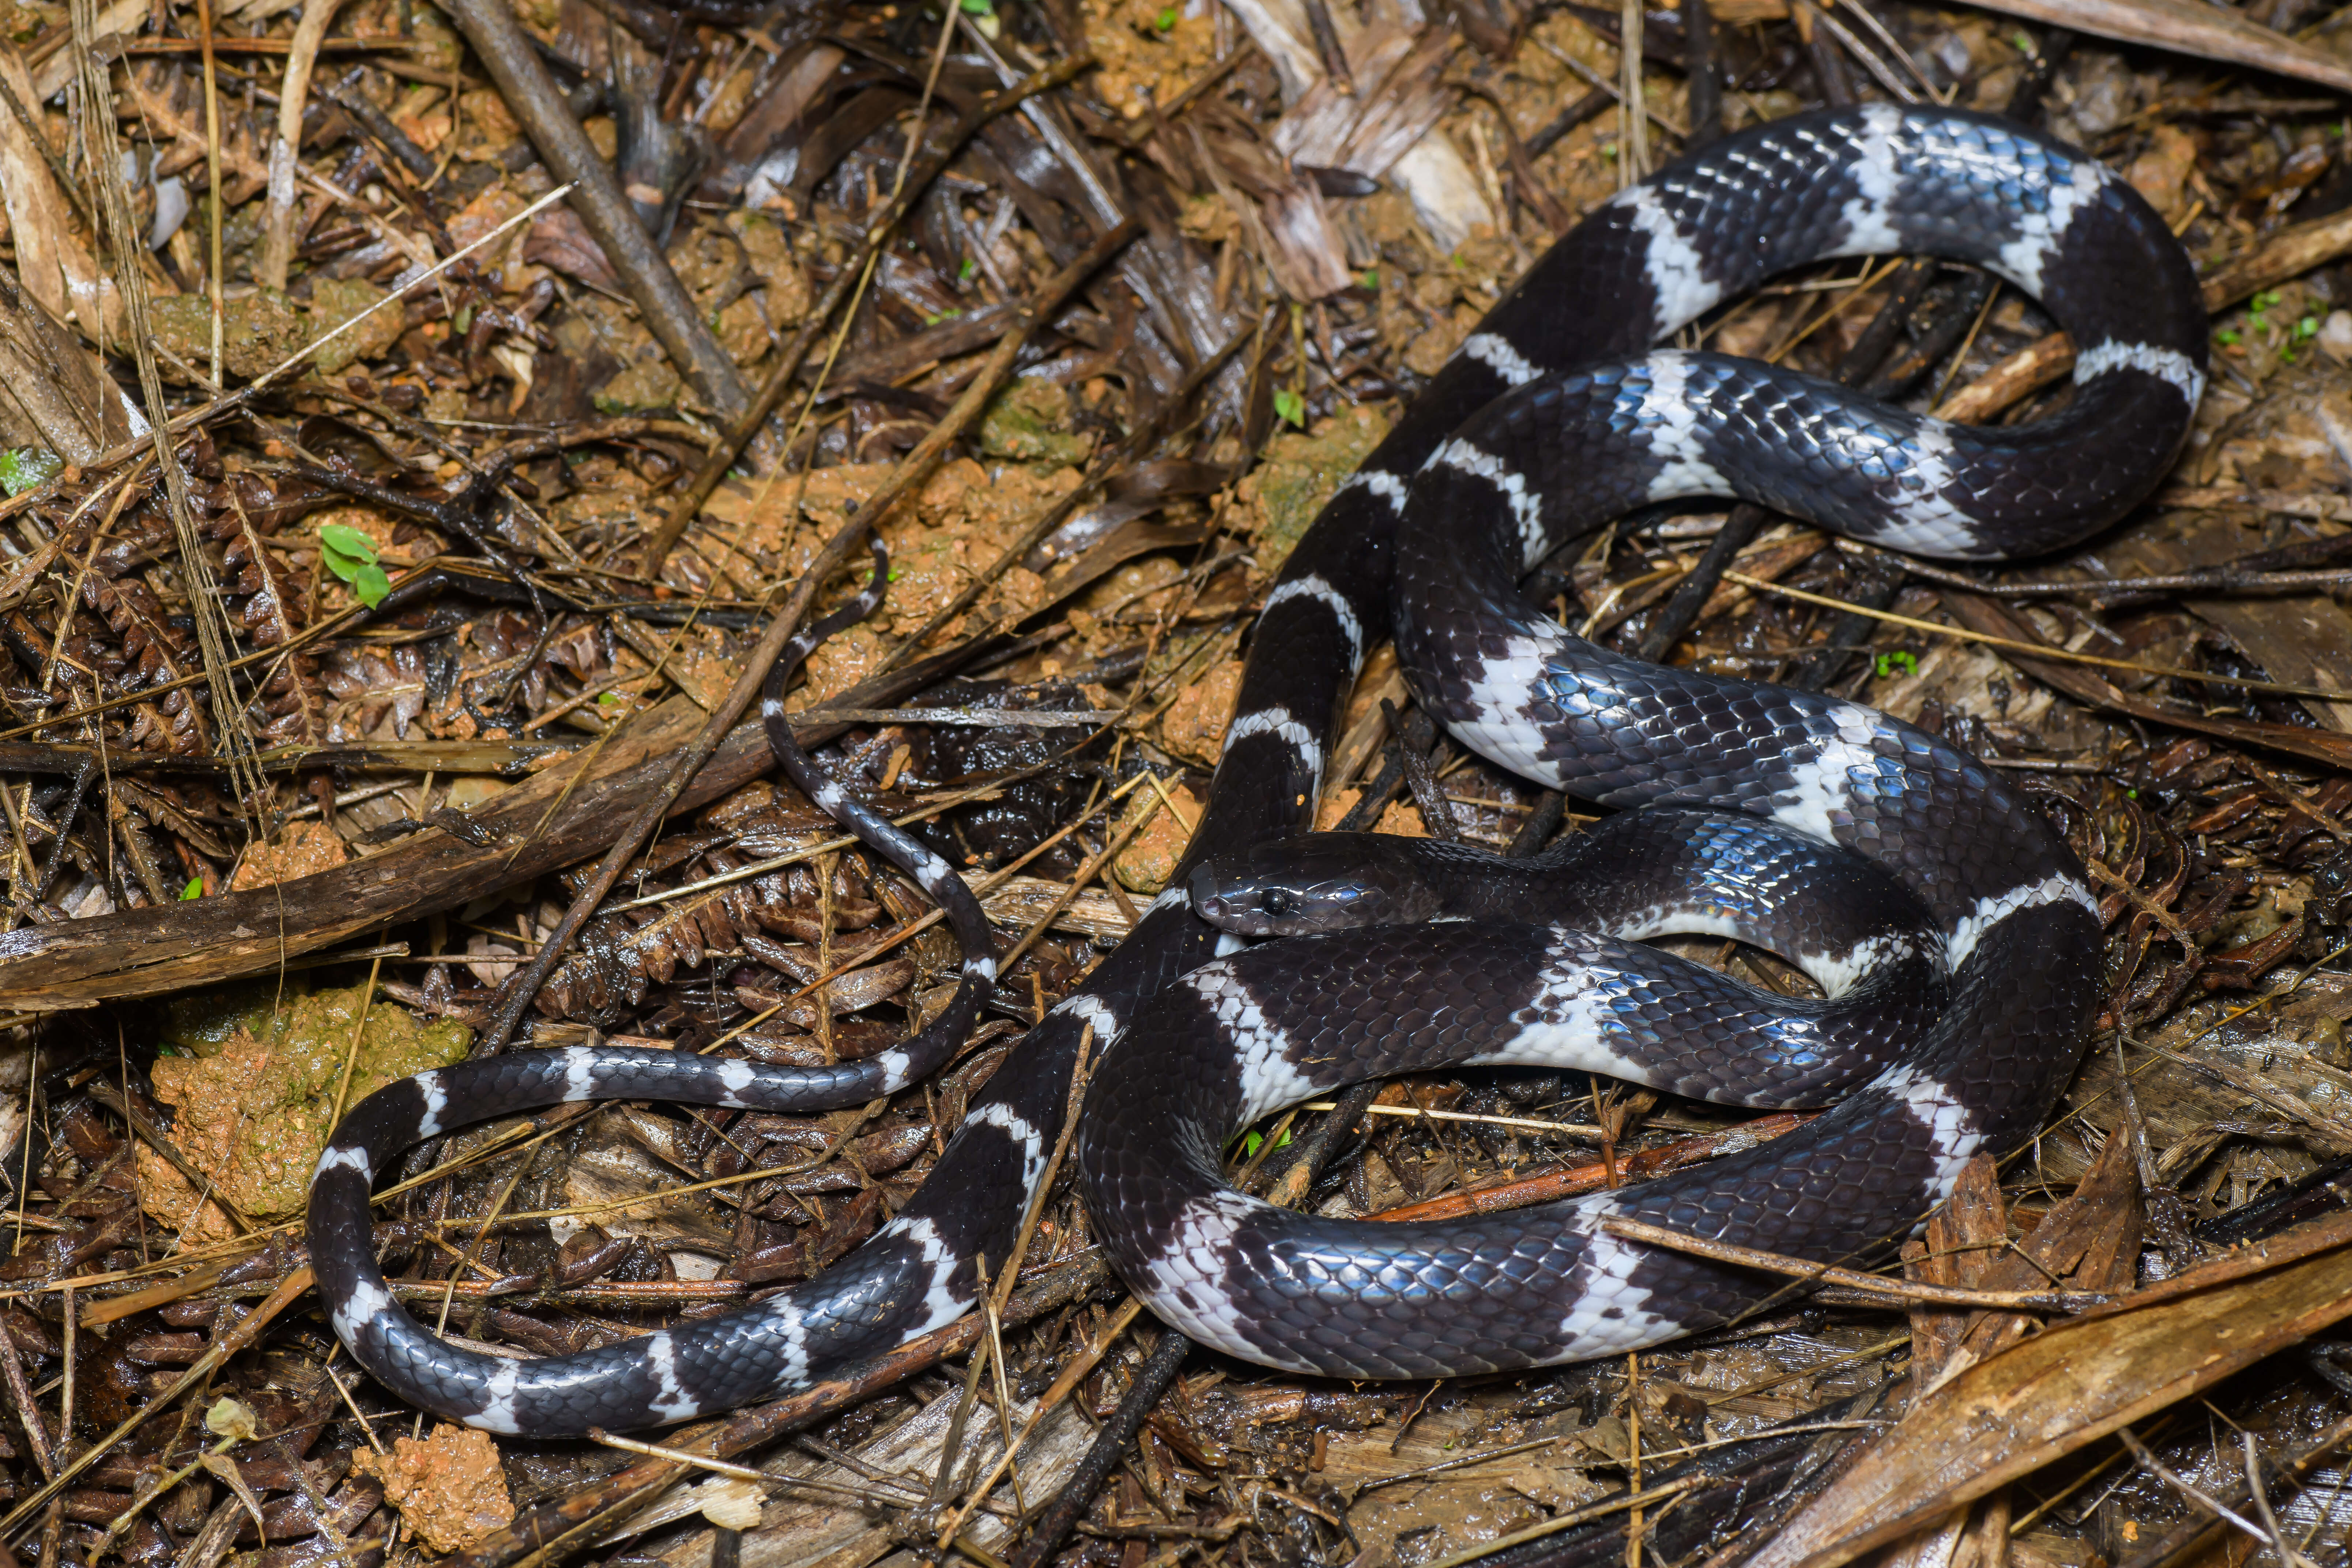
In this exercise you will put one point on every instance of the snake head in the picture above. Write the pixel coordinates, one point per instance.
(1316, 882)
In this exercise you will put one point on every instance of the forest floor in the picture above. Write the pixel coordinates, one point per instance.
(315, 733)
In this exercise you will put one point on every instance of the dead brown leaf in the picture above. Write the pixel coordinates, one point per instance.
(2072, 1383)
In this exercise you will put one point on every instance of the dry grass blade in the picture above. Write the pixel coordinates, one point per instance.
(232, 731)
(1576, 1180)
(1099, 473)
(2041, 651)
(113, 1309)
(2187, 1541)
(231, 403)
(143, 952)
(1086, 873)
(161, 1144)
(993, 1302)
(1830, 1274)
(1630, 1502)
(2071, 676)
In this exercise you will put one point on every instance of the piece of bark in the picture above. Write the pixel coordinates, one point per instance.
(1963, 1236)
(55, 69)
(2089, 1239)
(139, 953)
(2288, 253)
(2038, 364)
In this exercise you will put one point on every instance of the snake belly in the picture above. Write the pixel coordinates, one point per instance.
(1433, 549)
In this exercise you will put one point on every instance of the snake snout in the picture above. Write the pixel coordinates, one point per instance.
(1214, 900)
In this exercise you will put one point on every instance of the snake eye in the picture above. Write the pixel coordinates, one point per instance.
(1275, 901)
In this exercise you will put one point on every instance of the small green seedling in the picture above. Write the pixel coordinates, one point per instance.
(27, 468)
(350, 555)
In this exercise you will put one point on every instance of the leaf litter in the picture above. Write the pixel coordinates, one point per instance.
(240, 898)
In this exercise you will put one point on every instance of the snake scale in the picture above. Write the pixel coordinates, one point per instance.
(1947, 924)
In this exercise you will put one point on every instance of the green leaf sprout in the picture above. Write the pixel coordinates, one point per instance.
(350, 555)
(28, 468)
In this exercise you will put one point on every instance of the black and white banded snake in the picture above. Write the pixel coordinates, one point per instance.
(1951, 1028)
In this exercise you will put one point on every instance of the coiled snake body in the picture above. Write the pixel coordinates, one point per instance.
(1959, 998)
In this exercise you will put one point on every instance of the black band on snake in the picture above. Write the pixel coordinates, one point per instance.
(1949, 924)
